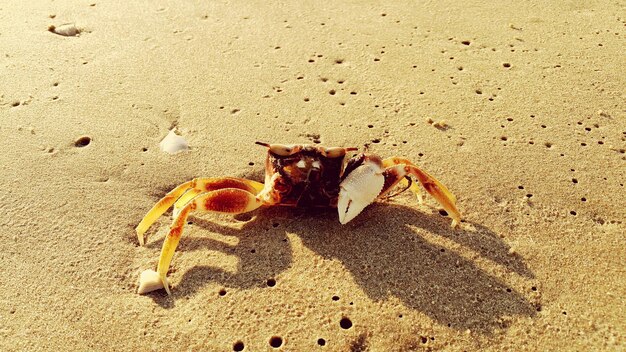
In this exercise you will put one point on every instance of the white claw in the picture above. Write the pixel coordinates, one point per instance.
(358, 190)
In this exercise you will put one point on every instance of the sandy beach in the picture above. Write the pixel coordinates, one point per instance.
(517, 107)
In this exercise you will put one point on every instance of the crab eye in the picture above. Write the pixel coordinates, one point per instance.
(335, 152)
(283, 150)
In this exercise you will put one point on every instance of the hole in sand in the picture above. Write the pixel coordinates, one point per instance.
(335, 298)
(345, 323)
(506, 65)
(271, 282)
(466, 42)
(276, 341)
(332, 92)
(321, 342)
(82, 141)
(238, 346)
(222, 292)
(443, 212)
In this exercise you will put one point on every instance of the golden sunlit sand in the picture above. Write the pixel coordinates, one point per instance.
(517, 107)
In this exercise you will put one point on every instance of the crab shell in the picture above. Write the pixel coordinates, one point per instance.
(314, 176)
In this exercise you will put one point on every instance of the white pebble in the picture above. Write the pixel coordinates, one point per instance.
(149, 281)
(173, 143)
(67, 30)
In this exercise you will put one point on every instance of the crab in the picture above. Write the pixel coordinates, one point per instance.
(296, 176)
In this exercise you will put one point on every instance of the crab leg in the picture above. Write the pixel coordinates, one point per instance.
(182, 194)
(397, 168)
(226, 200)
(414, 187)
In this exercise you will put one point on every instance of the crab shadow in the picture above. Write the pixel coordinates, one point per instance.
(387, 250)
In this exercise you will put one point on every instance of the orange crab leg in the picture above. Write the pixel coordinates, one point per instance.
(414, 187)
(397, 168)
(227, 200)
(182, 194)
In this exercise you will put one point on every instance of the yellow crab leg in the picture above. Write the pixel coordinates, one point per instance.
(182, 194)
(435, 188)
(227, 200)
(160, 207)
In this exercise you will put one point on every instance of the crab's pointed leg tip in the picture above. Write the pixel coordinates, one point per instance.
(140, 232)
(166, 285)
(149, 281)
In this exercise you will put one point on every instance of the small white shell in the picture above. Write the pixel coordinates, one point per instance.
(66, 30)
(149, 281)
(173, 143)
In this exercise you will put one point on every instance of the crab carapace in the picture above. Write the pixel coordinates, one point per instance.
(295, 175)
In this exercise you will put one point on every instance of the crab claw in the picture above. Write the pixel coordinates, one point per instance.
(359, 189)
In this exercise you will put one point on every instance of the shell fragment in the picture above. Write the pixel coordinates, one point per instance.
(66, 30)
(149, 281)
(173, 143)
